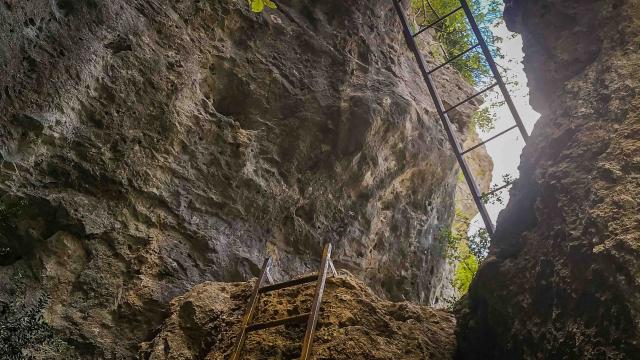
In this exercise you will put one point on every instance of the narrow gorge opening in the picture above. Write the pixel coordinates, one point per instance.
(455, 45)
(176, 175)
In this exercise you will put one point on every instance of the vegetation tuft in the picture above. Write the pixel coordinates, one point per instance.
(19, 329)
(10, 210)
(259, 5)
(24, 333)
(464, 248)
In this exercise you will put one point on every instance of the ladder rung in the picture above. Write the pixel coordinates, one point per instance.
(278, 322)
(268, 275)
(497, 189)
(454, 58)
(289, 283)
(437, 21)
(471, 97)
(489, 139)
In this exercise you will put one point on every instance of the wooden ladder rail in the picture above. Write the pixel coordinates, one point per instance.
(317, 300)
(251, 309)
(311, 317)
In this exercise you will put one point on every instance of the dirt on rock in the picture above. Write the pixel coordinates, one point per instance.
(354, 324)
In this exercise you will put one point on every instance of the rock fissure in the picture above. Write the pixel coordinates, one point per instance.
(561, 280)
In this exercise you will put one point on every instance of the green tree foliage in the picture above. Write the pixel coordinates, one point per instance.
(497, 196)
(455, 35)
(466, 249)
(259, 5)
(465, 271)
(476, 243)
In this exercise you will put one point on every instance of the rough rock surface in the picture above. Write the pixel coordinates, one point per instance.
(148, 146)
(354, 324)
(481, 167)
(563, 278)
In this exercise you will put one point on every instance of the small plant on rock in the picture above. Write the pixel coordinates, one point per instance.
(259, 5)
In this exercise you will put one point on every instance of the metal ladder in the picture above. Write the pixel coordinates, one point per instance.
(310, 317)
(443, 113)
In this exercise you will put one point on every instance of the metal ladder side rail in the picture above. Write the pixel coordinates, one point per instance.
(443, 113)
(464, 5)
(444, 118)
(311, 317)
(494, 70)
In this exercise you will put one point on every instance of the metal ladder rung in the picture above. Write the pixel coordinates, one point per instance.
(278, 322)
(471, 97)
(453, 59)
(485, 195)
(437, 21)
(443, 114)
(489, 139)
(290, 283)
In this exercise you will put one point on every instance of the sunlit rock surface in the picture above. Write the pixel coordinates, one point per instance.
(563, 278)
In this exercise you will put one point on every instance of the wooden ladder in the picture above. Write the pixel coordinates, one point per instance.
(310, 317)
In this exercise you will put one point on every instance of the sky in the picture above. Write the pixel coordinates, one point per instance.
(505, 150)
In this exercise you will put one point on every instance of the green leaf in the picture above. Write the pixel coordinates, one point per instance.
(270, 4)
(257, 5)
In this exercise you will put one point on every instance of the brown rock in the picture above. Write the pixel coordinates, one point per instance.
(354, 324)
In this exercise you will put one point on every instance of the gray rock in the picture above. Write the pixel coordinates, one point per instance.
(159, 144)
(562, 278)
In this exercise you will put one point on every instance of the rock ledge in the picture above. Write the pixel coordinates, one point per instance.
(354, 324)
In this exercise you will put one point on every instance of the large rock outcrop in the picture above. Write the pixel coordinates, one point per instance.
(353, 324)
(148, 146)
(563, 277)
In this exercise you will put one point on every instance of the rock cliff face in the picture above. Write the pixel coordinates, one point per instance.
(148, 146)
(354, 324)
(563, 278)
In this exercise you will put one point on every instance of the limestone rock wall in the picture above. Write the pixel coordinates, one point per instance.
(562, 280)
(147, 146)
